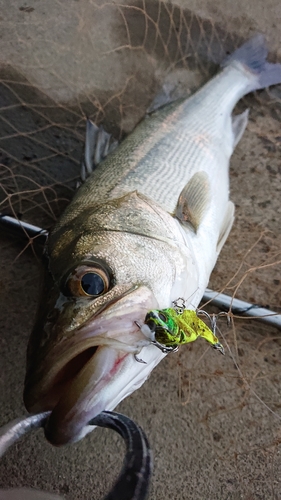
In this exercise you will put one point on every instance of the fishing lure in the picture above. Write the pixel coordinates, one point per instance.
(172, 327)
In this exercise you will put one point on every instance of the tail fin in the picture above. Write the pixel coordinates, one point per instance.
(253, 55)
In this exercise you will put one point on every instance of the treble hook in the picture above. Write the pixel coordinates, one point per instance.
(165, 349)
(213, 319)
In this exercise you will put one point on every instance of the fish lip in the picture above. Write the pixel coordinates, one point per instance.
(76, 354)
(45, 388)
(60, 430)
(40, 381)
(68, 421)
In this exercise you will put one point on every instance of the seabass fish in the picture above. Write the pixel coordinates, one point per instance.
(145, 229)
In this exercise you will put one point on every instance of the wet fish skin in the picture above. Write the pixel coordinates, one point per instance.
(54, 339)
(155, 213)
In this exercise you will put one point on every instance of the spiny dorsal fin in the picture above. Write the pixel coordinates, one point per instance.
(98, 144)
(194, 200)
(226, 226)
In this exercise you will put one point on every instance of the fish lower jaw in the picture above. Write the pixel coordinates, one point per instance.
(84, 397)
(108, 376)
(44, 393)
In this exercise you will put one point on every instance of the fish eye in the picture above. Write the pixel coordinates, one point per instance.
(92, 284)
(86, 281)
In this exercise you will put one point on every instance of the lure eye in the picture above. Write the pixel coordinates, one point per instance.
(162, 317)
(86, 281)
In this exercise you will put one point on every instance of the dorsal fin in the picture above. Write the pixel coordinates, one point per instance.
(98, 144)
(226, 226)
(194, 200)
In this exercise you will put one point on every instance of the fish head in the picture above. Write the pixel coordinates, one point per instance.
(101, 280)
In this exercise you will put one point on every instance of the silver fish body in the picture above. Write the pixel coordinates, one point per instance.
(146, 228)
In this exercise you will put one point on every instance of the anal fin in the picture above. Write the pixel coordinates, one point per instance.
(226, 225)
(239, 123)
(194, 200)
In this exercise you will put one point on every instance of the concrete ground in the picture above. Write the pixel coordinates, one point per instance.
(213, 422)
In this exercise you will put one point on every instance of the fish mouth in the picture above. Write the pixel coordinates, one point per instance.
(94, 370)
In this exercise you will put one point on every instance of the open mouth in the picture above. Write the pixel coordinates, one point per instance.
(74, 389)
(81, 391)
(92, 369)
(68, 373)
(97, 379)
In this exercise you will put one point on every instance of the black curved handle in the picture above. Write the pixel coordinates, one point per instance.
(133, 481)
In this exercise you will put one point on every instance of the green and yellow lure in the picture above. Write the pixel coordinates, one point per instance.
(170, 328)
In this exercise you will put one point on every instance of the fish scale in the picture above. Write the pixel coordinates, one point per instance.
(181, 154)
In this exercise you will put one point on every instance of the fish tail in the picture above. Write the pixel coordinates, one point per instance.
(252, 55)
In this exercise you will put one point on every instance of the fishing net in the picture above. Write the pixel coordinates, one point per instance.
(219, 419)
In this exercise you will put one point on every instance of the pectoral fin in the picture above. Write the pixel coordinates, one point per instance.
(226, 225)
(194, 200)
